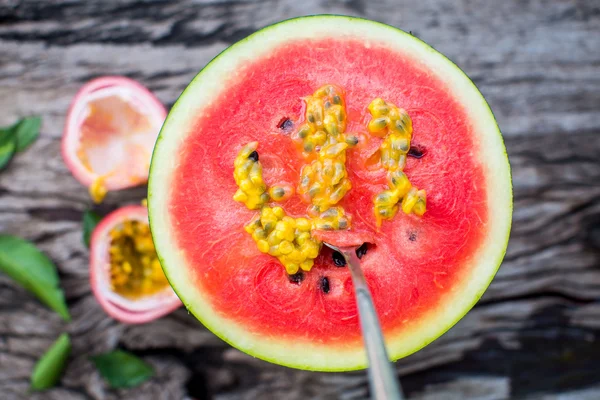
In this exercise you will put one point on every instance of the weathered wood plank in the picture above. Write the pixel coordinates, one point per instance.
(535, 332)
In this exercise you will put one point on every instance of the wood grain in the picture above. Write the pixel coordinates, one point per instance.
(535, 334)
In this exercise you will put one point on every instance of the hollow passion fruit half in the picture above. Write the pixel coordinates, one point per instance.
(336, 129)
(110, 130)
(125, 274)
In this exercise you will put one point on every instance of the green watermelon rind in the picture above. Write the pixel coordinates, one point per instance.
(322, 358)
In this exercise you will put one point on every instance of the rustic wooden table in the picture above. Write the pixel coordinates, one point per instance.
(536, 332)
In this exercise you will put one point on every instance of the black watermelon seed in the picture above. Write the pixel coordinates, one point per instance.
(253, 156)
(416, 152)
(412, 236)
(324, 284)
(338, 259)
(297, 278)
(285, 124)
(361, 251)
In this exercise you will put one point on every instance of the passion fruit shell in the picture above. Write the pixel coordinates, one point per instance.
(100, 144)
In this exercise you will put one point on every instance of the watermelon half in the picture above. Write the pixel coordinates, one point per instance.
(424, 272)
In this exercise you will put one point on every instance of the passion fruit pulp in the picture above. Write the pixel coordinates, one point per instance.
(324, 182)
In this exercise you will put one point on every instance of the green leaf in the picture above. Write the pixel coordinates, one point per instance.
(50, 366)
(122, 369)
(8, 146)
(90, 220)
(23, 262)
(27, 131)
(18, 137)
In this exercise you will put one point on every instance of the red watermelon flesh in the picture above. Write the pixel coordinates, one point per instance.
(412, 262)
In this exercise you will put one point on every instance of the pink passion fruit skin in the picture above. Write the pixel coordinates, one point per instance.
(124, 310)
(140, 97)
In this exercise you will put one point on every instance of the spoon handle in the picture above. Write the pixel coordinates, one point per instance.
(384, 383)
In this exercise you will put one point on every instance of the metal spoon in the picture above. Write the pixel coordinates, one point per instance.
(382, 377)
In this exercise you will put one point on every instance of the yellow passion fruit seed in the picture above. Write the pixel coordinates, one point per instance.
(134, 267)
(98, 190)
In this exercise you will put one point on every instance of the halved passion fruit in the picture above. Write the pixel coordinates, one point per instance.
(109, 134)
(125, 274)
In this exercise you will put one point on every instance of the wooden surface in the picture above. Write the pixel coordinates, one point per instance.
(536, 332)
